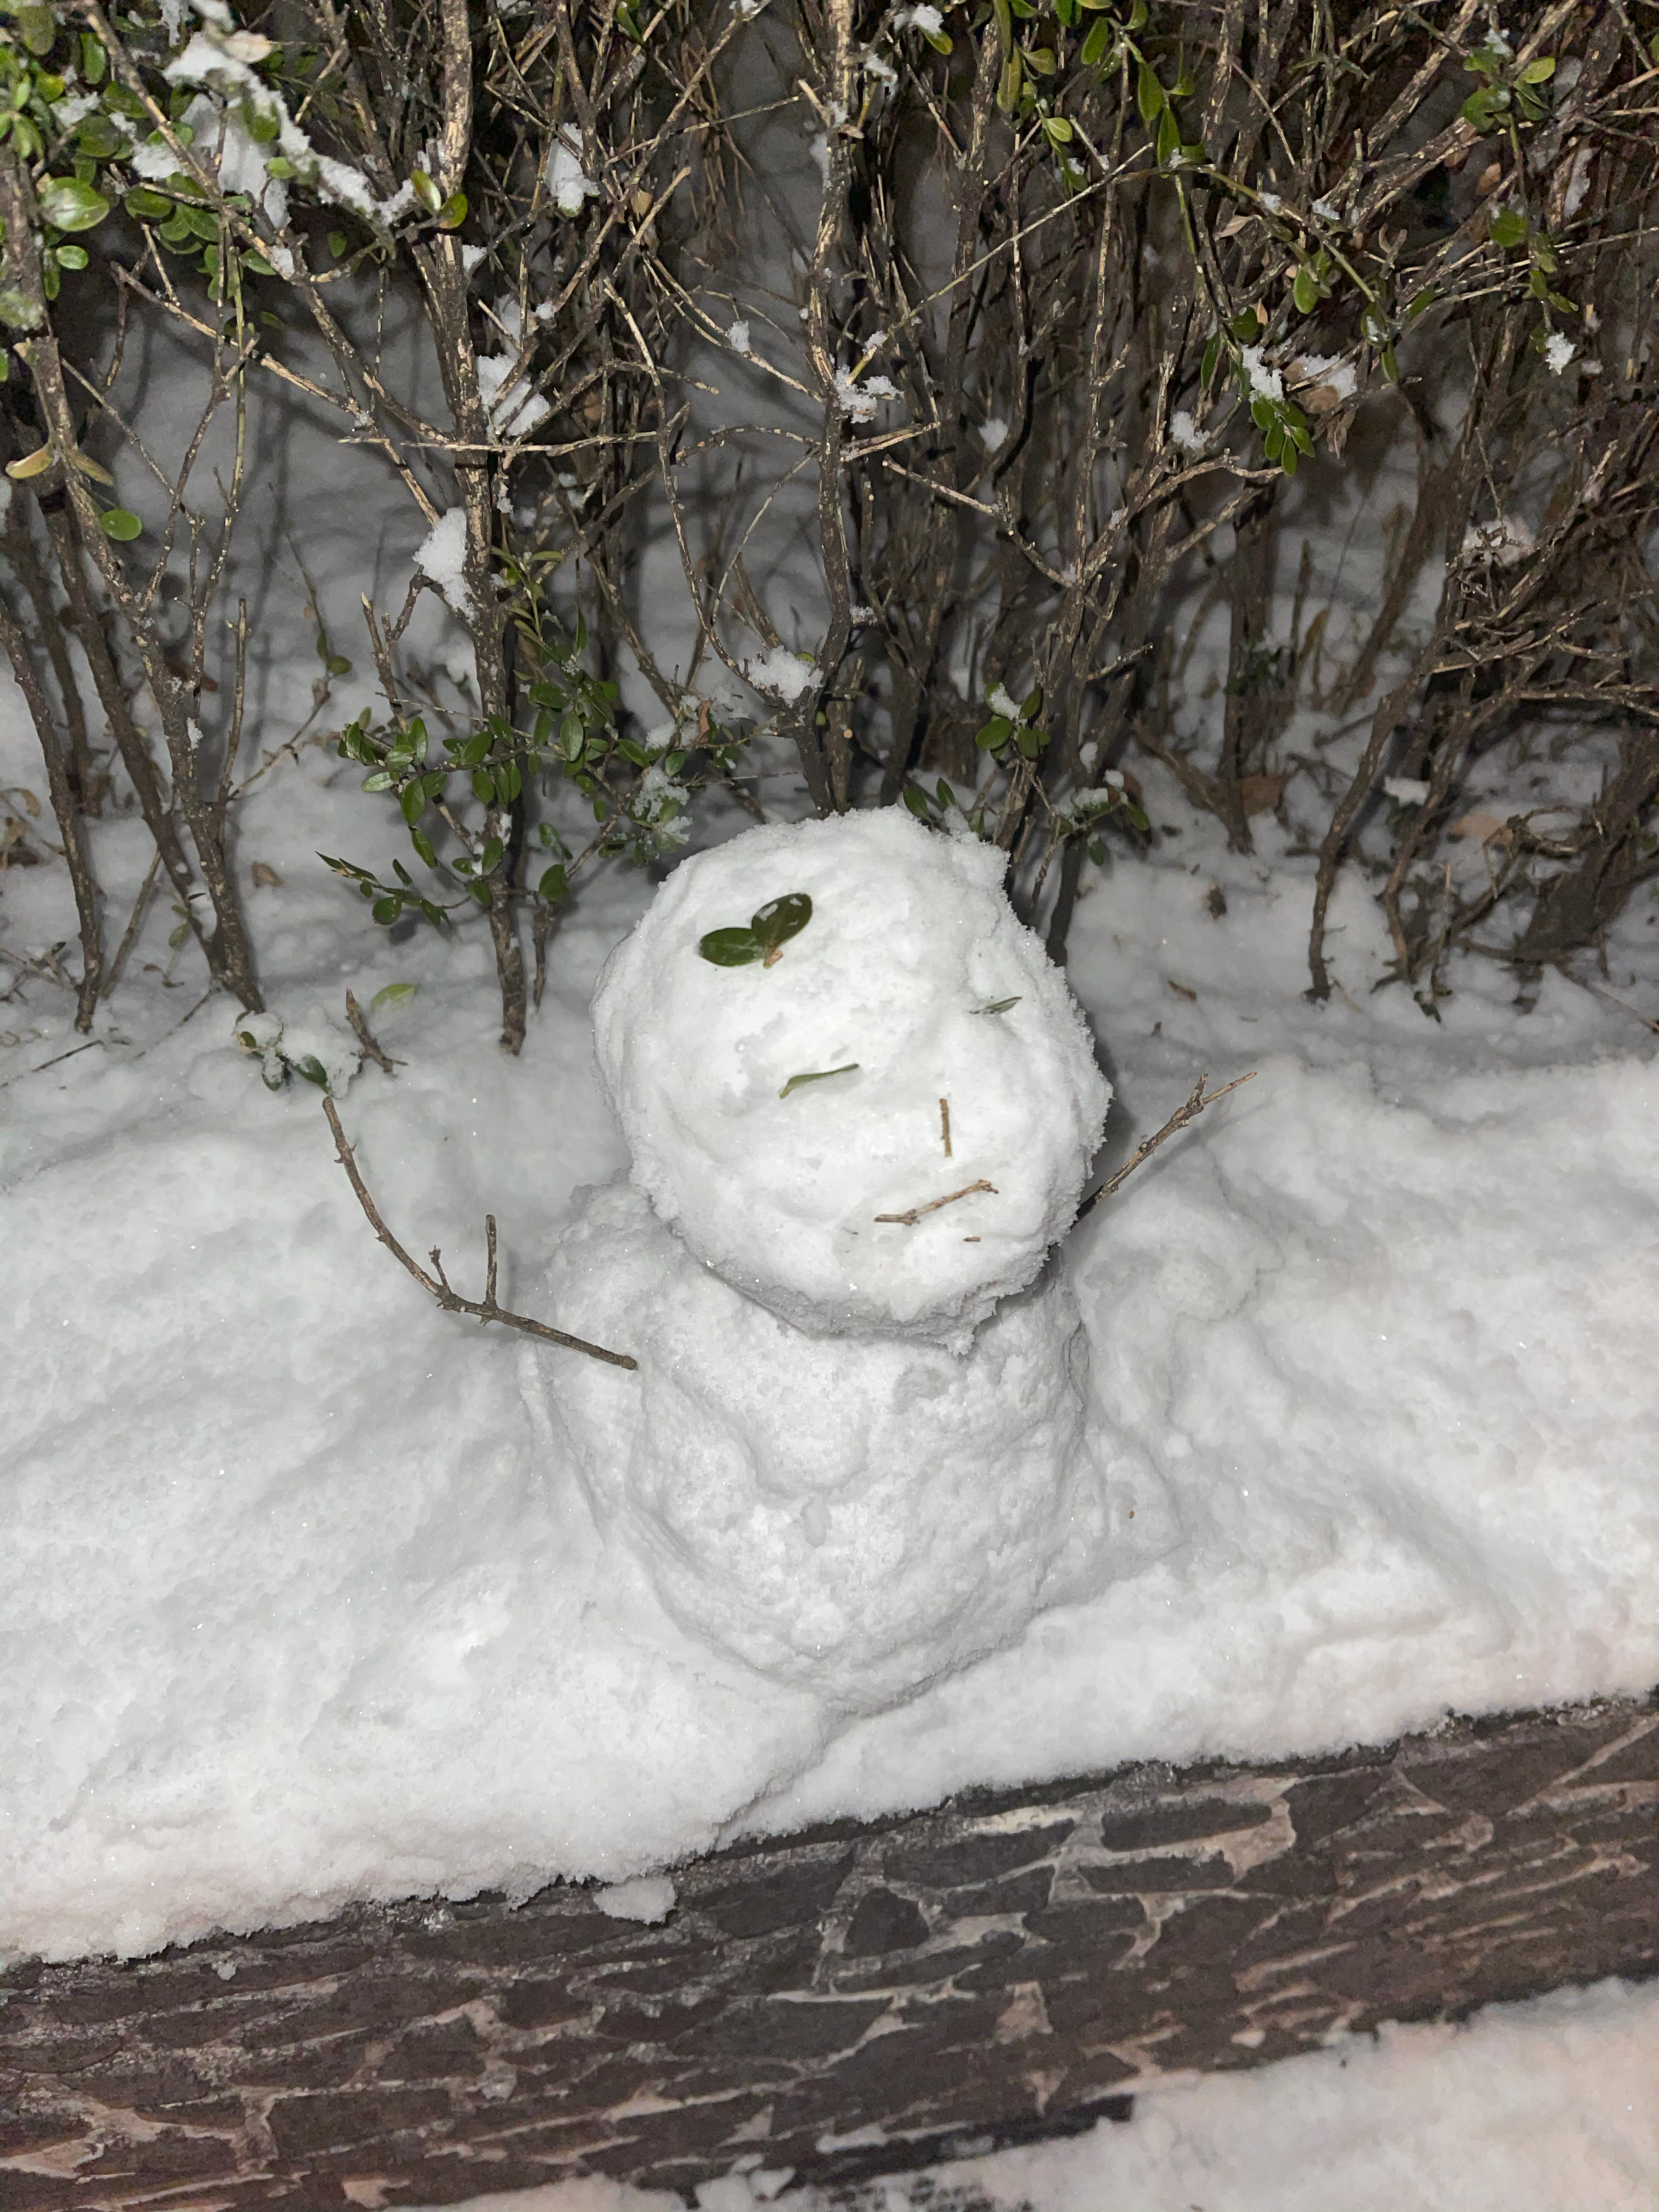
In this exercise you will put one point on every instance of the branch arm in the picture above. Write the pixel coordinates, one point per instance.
(438, 1289)
(1179, 1119)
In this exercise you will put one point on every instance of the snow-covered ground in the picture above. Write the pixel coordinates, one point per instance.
(304, 1602)
(1551, 2106)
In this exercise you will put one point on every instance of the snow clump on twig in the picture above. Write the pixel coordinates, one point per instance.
(441, 559)
(1266, 383)
(1186, 433)
(780, 669)
(567, 180)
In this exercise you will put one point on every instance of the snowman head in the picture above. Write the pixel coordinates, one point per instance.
(849, 1077)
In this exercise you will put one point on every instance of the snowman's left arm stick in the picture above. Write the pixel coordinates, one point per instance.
(438, 1288)
(1183, 1115)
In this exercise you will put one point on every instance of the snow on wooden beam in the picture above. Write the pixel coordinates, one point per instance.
(849, 2000)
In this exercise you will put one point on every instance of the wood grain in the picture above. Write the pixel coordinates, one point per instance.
(849, 2000)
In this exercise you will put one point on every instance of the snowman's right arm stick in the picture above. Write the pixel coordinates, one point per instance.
(1183, 1115)
(438, 1288)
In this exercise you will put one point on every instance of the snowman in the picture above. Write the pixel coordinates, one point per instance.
(860, 1105)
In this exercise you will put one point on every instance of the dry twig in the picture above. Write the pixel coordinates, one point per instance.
(437, 1284)
(909, 1218)
(366, 1037)
(1183, 1115)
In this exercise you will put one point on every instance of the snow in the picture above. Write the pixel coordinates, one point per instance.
(514, 410)
(346, 186)
(657, 803)
(311, 1043)
(779, 670)
(736, 337)
(441, 556)
(994, 433)
(1329, 371)
(1377, 1342)
(1267, 383)
(219, 58)
(853, 1517)
(649, 1898)
(1409, 790)
(221, 140)
(1186, 433)
(782, 1190)
(1559, 353)
(859, 400)
(316, 1594)
(567, 180)
(154, 161)
(308, 1602)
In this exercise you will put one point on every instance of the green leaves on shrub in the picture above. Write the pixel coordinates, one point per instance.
(118, 522)
(40, 31)
(1504, 93)
(68, 205)
(770, 930)
(389, 900)
(1020, 725)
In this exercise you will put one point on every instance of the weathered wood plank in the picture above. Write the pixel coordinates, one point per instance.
(851, 2000)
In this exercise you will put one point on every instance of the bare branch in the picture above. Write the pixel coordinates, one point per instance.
(437, 1287)
(1189, 1112)
(365, 1037)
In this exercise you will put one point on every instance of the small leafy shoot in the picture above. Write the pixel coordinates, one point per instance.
(730, 948)
(770, 930)
(780, 920)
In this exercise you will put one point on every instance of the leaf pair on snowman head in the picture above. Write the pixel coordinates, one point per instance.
(770, 930)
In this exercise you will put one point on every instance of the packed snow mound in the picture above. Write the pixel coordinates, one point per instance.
(854, 1516)
(946, 1053)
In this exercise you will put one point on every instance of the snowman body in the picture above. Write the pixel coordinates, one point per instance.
(856, 1454)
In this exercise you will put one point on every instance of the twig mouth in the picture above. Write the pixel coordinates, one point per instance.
(912, 1214)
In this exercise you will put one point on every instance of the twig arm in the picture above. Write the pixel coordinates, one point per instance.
(1189, 1112)
(438, 1289)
